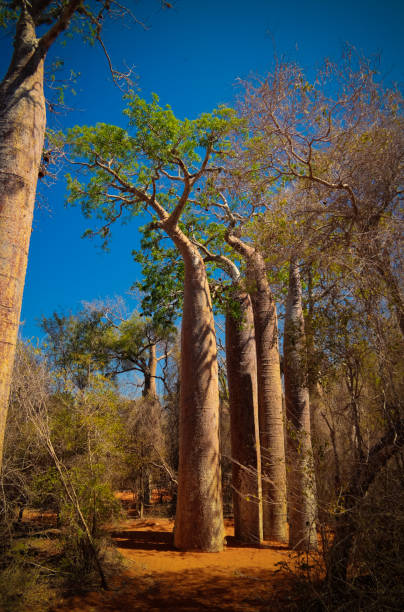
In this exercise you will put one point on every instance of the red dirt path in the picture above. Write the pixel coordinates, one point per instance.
(157, 577)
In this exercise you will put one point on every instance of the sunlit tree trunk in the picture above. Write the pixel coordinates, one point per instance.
(243, 399)
(22, 129)
(199, 516)
(269, 394)
(149, 387)
(301, 479)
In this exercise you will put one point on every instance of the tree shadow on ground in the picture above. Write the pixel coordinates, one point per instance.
(156, 576)
(243, 590)
(144, 540)
(163, 540)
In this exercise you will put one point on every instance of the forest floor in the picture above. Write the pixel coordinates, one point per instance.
(155, 576)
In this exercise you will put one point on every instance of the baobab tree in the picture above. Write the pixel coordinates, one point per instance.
(269, 377)
(241, 362)
(22, 131)
(156, 166)
(301, 478)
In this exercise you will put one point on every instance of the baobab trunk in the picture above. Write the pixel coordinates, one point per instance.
(269, 394)
(22, 128)
(270, 405)
(243, 399)
(302, 508)
(199, 516)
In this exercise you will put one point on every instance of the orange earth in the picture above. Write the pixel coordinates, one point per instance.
(158, 577)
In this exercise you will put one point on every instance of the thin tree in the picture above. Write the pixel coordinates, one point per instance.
(102, 339)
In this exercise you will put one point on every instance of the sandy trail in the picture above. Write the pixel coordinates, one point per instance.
(157, 577)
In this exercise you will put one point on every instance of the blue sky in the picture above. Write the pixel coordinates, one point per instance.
(191, 56)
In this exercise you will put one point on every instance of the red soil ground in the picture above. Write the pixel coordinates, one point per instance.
(158, 577)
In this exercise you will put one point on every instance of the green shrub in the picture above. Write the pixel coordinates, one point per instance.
(23, 586)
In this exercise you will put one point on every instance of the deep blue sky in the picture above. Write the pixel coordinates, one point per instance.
(191, 56)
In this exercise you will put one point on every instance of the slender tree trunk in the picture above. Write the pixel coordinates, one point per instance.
(149, 387)
(147, 488)
(302, 508)
(20, 514)
(269, 394)
(243, 398)
(363, 477)
(199, 515)
(22, 128)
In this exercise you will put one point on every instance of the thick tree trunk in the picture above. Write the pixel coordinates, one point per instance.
(270, 406)
(269, 394)
(302, 508)
(243, 398)
(199, 516)
(22, 127)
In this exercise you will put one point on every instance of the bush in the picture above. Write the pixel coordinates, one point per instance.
(23, 586)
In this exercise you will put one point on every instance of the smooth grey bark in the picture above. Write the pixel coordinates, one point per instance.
(149, 387)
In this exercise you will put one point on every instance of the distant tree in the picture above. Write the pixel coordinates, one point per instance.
(146, 448)
(98, 339)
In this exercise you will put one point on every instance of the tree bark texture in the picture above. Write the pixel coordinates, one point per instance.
(269, 394)
(243, 398)
(22, 128)
(149, 387)
(302, 509)
(199, 516)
